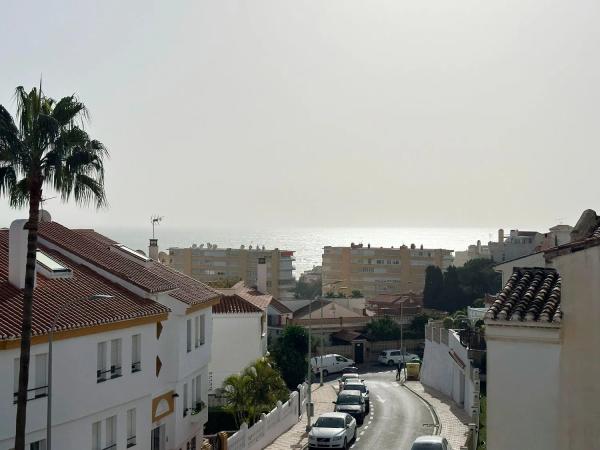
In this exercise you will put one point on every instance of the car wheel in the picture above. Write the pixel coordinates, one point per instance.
(325, 372)
(391, 362)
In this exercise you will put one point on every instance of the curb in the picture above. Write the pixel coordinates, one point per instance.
(436, 419)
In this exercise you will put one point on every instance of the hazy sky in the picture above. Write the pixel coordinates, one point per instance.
(348, 112)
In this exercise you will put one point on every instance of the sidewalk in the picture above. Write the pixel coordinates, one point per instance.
(296, 436)
(453, 419)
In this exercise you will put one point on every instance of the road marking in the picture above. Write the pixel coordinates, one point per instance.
(380, 398)
(361, 433)
(357, 439)
(367, 426)
(352, 446)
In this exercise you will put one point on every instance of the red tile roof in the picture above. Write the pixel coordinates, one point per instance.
(51, 294)
(234, 304)
(251, 295)
(152, 277)
(530, 295)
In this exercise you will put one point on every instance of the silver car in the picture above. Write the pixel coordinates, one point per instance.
(431, 443)
(353, 403)
(356, 385)
(332, 430)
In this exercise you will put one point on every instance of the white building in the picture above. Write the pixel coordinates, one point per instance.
(477, 251)
(238, 333)
(129, 371)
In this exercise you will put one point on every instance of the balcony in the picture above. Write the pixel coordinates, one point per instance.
(195, 411)
(33, 393)
(131, 441)
(136, 367)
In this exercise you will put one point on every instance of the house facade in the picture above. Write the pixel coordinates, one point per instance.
(543, 339)
(130, 369)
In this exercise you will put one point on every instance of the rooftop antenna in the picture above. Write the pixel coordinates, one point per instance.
(155, 220)
(45, 199)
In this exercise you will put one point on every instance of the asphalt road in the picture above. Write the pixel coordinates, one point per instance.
(397, 416)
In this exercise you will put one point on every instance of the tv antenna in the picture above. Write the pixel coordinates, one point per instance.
(155, 220)
(44, 199)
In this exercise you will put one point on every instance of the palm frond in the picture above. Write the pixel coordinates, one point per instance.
(19, 193)
(69, 110)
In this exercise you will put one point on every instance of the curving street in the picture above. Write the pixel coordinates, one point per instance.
(397, 416)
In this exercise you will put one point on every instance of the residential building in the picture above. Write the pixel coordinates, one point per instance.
(477, 251)
(314, 275)
(400, 306)
(542, 334)
(238, 334)
(374, 271)
(129, 370)
(521, 243)
(209, 263)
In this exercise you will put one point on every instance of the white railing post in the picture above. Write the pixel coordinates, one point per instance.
(244, 435)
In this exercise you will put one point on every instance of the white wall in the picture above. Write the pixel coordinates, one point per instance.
(579, 361)
(522, 388)
(237, 342)
(78, 399)
(443, 374)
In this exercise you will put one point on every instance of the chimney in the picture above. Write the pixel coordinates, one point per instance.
(500, 235)
(153, 249)
(261, 275)
(17, 253)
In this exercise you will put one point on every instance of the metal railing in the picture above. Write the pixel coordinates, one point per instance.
(136, 366)
(131, 441)
(37, 392)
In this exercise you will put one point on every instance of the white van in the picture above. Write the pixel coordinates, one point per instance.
(331, 364)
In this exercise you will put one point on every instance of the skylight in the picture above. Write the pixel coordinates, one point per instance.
(131, 252)
(50, 267)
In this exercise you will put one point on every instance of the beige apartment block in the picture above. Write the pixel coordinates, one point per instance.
(380, 270)
(210, 263)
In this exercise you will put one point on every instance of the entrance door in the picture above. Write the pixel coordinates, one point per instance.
(359, 352)
(159, 438)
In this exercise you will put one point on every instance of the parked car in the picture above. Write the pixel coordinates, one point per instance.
(332, 430)
(357, 385)
(393, 357)
(345, 377)
(332, 363)
(353, 403)
(351, 369)
(431, 443)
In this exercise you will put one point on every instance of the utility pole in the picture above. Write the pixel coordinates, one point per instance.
(309, 375)
(402, 330)
(322, 338)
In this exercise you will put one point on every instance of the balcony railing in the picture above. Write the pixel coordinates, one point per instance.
(131, 441)
(110, 447)
(136, 366)
(33, 393)
(115, 371)
(196, 408)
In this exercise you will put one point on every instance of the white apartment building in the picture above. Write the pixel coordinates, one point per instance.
(129, 370)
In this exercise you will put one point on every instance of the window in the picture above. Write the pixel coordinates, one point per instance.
(50, 267)
(189, 335)
(340, 358)
(130, 428)
(115, 358)
(101, 370)
(136, 353)
(96, 433)
(38, 445)
(197, 393)
(111, 433)
(41, 375)
(185, 399)
(202, 329)
(197, 331)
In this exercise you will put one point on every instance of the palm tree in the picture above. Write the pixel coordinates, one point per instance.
(46, 147)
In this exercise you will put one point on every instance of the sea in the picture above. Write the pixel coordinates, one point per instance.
(307, 243)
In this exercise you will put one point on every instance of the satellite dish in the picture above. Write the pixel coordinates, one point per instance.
(45, 216)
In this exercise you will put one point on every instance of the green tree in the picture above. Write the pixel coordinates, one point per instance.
(290, 353)
(45, 147)
(307, 290)
(434, 285)
(254, 391)
(383, 329)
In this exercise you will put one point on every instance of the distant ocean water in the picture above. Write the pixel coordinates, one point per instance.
(308, 243)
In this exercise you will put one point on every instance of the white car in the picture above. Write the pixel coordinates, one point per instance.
(332, 430)
(345, 377)
(353, 403)
(393, 357)
(332, 363)
(430, 443)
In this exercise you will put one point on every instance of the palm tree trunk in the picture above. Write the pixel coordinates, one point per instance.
(32, 242)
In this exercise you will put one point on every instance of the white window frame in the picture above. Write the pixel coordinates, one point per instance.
(197, 331)
(97, 436)
(102, 362)
(202, 329)
(131, 426)
(116, 358)
(136, 353)
(189, 335)
(111, 432)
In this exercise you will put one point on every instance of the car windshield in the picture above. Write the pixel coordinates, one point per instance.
(329, 422)
(348, 400)
(356, 387)
(383, 354)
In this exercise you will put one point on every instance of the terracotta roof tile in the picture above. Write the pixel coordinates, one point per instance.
(152, 277)
(234, 304)
(51, 294)
(530, 295)
(251, 295)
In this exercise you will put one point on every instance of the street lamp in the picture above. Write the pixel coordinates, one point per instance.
(52, 327)
(309, 375)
